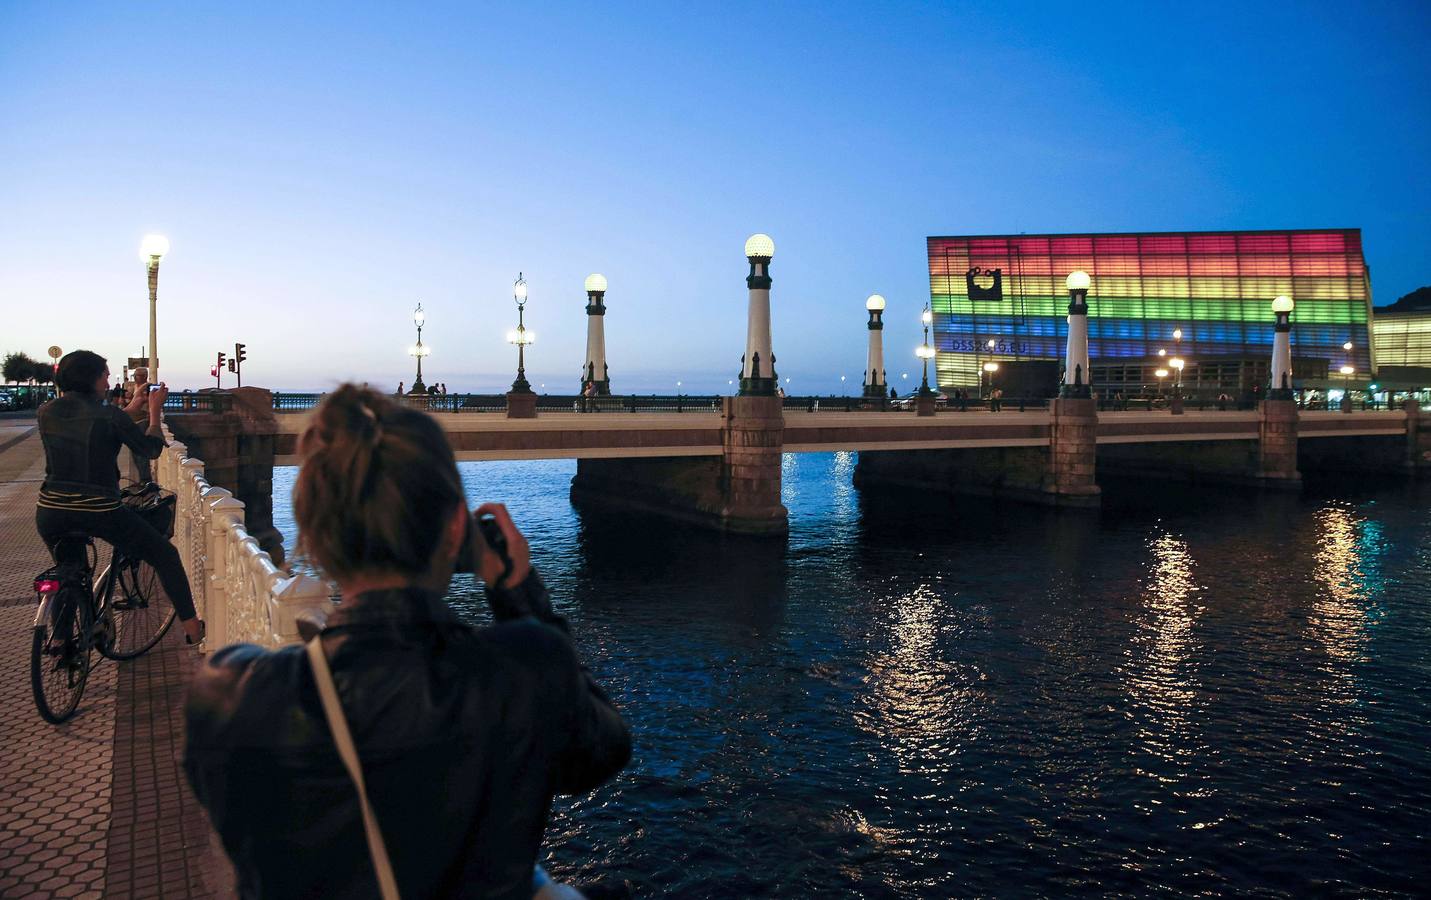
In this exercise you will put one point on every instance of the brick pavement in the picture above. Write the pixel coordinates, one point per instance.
(97, 807)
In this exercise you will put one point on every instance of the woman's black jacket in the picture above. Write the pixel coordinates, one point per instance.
(464, 734)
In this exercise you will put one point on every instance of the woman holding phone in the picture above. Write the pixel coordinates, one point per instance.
(463, 734)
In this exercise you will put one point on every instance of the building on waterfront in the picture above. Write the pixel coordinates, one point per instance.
(1204, 297)
(1401, 338)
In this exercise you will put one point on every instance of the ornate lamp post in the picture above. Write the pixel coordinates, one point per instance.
(418, 351)
(1075, 365)
(1347, 372)
(989, 369)
(595, 371)
(757, 374)
(521, 399)
(875, 382)
(152, 249)
(924, 403)
(1282, 349)
(1161, 373)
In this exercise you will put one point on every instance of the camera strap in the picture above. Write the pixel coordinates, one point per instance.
(343, 738)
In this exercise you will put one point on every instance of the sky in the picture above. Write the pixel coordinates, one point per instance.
(322, 168)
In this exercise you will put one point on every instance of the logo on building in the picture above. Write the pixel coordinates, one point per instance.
(994, 291)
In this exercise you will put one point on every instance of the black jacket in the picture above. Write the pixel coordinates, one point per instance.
(82, 437)
(464, 735)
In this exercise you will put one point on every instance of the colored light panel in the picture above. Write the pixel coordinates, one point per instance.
(1216, 286)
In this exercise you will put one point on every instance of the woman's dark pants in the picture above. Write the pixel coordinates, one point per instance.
(134, 537)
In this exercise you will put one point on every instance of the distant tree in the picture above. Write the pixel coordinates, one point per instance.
(20, 367)
(44, 372)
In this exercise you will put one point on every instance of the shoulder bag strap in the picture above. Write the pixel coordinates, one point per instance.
(387, 884)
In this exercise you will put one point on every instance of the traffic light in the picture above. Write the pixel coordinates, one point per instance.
(236, 364)
(221, 359)
(238, 352)
(213, 371)
(233, 367)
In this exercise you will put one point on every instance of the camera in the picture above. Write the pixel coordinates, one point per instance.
(492, 534)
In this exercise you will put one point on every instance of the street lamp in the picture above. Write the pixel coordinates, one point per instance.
(595, 371)
(152, 249)
(521, 336)
(1282, 349)
(924, 351)
(875, 381)
(1177, 364)
(418, 350)
(757, 370)
(1347, 372)
(1076, 369)
(989, 369)
(1162, 374)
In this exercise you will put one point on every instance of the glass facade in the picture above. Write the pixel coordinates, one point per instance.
(1402, 338)
(1002, 298)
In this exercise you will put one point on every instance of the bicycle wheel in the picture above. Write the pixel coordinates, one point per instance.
(138, 607)
(60, 654)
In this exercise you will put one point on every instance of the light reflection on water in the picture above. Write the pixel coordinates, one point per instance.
(1189, 691)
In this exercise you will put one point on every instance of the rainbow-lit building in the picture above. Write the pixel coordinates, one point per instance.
(1001, 299)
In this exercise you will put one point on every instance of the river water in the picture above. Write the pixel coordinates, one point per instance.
(1189, 691)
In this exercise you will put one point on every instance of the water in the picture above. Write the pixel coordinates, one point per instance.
(1190, 691)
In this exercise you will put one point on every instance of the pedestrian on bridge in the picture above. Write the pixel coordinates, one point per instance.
(460, 736)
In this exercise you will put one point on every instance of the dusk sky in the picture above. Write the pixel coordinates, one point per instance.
(320, 171)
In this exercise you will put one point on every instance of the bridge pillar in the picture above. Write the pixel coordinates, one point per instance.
(1277, 445)
(1418, 438)
(236, 443)
(1072, 452)
(738, 491)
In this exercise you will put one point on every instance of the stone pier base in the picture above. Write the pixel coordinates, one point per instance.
(1277, 446)
(737, 492)
(1073, 452)
(521, 405)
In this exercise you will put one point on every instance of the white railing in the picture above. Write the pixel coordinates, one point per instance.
(238, 590)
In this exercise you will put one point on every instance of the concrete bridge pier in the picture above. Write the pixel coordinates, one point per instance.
(236, 440)
(736, 492)
(1073, 452)
(1277, 445)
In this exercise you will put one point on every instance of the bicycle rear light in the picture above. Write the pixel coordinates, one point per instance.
(47, 586)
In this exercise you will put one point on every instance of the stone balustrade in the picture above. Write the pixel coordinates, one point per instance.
(238, 590)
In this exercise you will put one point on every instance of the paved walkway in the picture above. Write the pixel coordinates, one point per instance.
(97, 807)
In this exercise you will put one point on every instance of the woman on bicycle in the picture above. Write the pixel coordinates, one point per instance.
(463, 734)
(80, 495)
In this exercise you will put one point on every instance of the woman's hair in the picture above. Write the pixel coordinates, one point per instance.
(376, 488)
(79, 370)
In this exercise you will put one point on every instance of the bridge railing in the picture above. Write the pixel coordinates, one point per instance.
(237, 588)
(205, 402)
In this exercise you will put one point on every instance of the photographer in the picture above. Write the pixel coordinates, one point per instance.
(136, 405)
(463, 734)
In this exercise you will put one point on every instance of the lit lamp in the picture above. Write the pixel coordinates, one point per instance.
(151, 250)
(1076, 366)
(876, 384)
(757, 368)
(1347, 372)
(1282, 349)
(1162, 374)
(521, 400)
(595, 371)
(418, 350)
(989, 369)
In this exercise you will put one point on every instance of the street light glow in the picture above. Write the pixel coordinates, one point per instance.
(153, 246)
(927, 317)
(1077, 280)
(991, 367)
(1282, 304)
(1177, 334)
(1161, 373)
(1347, 370)
(875, 303)
(759, 246)
(595, 283)
(924, 351)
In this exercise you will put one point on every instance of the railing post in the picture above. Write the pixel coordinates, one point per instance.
(293, 596)
(222, 510)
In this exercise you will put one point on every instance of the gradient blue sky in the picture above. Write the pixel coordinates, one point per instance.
(321, 168)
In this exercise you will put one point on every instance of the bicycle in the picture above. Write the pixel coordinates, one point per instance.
(122, 613)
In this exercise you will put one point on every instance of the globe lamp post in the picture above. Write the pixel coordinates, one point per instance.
(152, 249)
(1076, 370)
(1282, 349)
(875, 382)
(1347, 372)
(757, 374)
(595, 371)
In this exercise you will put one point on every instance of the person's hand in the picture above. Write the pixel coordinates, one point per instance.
(157, 395)
(489, 564)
